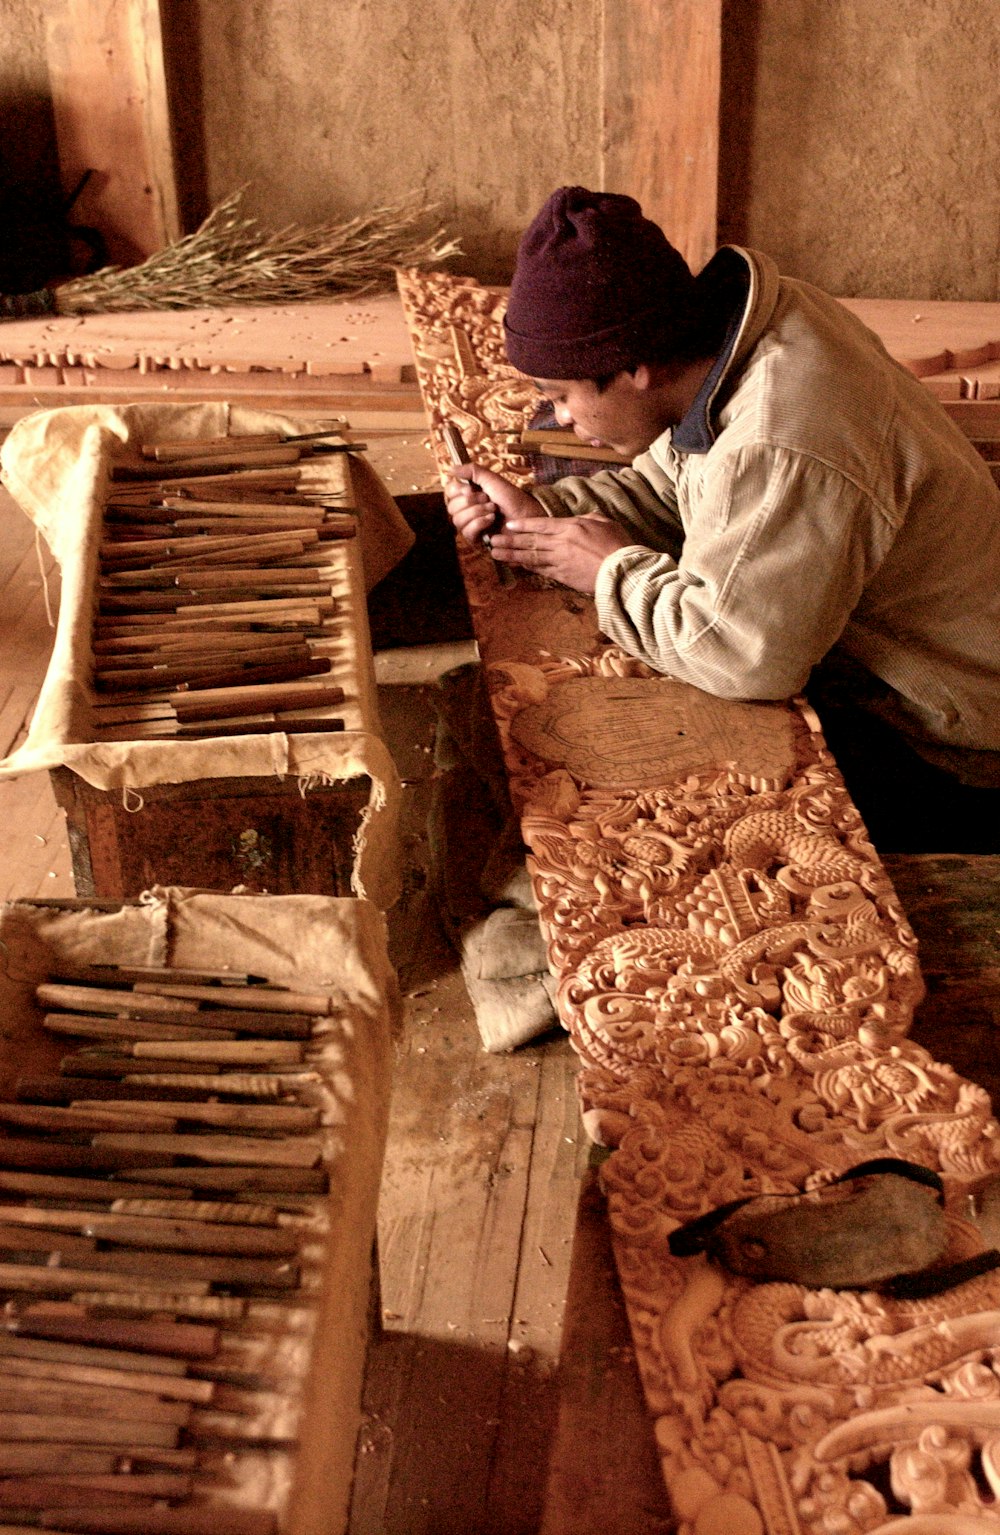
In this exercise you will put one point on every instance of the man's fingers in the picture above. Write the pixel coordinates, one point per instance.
(472, 528)
(565, 549)
(473, 521)
(470, 510)
(514, 543)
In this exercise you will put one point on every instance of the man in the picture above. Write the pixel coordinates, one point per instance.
(795, 498)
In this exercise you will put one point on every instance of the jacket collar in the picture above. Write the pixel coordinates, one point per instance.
(749, 280)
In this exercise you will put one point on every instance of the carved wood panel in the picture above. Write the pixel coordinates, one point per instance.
(738, 979)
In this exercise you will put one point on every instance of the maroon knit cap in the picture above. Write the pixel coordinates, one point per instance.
(597, 288)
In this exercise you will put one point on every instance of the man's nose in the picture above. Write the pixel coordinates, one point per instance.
(564, 415)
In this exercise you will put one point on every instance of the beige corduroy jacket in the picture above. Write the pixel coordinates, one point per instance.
(836, 502)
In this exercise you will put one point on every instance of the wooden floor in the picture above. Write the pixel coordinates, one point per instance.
(477, 1217)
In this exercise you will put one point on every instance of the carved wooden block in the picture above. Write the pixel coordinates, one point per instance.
(349, 337)
(739, 979)
(457, 337)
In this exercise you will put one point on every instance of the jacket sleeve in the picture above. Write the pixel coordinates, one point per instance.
(776, 556)
(643, 500)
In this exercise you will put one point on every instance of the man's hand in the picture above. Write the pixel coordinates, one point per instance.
(569, 550)
(565, 549)
(474, 511)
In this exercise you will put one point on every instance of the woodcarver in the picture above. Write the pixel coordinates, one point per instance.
(799, 513)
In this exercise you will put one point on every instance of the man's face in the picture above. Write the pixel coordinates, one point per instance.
(622, 416)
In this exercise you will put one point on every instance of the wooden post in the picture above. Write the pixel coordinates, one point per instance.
(109, 98)
(661, 68)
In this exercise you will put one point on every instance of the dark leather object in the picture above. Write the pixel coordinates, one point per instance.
(880, 1225)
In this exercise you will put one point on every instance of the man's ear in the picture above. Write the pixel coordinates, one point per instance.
(642, 378)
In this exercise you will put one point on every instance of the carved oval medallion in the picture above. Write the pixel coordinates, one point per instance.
(644, 732)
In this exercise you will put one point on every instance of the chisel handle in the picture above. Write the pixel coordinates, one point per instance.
(455, 443)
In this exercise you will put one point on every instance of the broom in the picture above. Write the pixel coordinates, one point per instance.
(230, 259)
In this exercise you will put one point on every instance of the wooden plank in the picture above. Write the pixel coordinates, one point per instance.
(951, 902)
(977, 418)
(34, 848)
(533, 1384)
(661, 73)
(604, 1474)
(462, 1193)
(24, 620)
(17, 536)
(109, 97)
(934, 336)
(337, 344)
(16, 705)
(479, 1176)
(483, 1208)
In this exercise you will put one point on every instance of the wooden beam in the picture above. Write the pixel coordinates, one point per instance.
(109, 99)
(660, 85)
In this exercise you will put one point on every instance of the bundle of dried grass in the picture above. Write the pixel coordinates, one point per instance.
(230, 259)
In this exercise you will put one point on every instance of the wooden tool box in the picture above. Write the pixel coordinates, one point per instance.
(265, 1361)
(284, 802)
(214, 833)
(279, 834)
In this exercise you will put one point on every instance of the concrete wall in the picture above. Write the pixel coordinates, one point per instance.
(862, 142)
(860, 138)
(327, 108)
(32, 234)
(26, 148)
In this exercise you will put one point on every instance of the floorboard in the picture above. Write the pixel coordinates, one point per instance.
(26, 599)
